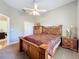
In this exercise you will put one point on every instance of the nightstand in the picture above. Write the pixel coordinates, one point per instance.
(70, 43)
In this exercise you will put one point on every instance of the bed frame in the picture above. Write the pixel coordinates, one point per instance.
(33, 50)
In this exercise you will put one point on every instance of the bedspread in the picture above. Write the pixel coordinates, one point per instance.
(49, 40)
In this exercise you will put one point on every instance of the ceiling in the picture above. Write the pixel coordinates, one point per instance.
(42, 4)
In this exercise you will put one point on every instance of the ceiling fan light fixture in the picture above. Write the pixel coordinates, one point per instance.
(35, 13)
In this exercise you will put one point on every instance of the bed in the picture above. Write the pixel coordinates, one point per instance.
(43, 45)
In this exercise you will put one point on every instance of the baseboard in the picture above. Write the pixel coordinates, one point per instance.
(13, 42)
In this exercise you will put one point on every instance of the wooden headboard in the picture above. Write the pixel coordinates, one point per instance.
(54, 30)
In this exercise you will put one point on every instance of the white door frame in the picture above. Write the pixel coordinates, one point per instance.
(8, 29)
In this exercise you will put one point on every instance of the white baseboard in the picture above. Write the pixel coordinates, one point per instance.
(13, 42)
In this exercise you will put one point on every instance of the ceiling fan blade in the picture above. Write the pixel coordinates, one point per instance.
(29, 9)
(42, 10)
(35, 11)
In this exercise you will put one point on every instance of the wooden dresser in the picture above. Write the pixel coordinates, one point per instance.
(37, 29)
(70, 43)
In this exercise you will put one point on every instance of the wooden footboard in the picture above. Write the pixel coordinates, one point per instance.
(34, 51)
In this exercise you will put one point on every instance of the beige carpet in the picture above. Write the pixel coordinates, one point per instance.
(63, 53)
(12, 52)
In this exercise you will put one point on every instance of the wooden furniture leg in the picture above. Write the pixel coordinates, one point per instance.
(43, 54)
(20, 46)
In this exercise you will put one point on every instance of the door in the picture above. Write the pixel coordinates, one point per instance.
(28, 28)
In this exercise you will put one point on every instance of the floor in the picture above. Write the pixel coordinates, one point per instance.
(63, 53)
(12, 52)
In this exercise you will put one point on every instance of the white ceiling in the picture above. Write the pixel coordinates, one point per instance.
(42, 4)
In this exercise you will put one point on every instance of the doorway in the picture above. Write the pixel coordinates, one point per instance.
(28, 28)
(4, 30)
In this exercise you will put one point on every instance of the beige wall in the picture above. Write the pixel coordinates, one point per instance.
(3, 23)
(65, 15)
(3, 26)
(78, 18)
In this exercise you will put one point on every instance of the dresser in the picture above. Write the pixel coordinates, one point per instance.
(37, 29)
(70, 43)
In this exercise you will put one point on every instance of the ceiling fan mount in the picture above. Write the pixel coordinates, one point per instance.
(34, 11)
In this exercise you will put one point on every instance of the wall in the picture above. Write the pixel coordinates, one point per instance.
(78, 18)
(17, 23)
(3, 26)
(65, 15)
(78, 22)
(17, 19)
(3, 8)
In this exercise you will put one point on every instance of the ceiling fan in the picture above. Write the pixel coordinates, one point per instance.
(34, 11)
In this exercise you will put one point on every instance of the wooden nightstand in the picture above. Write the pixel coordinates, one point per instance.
(70, 43)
